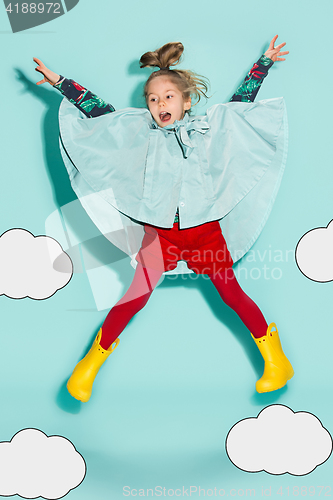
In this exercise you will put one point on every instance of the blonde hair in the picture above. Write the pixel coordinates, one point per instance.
(189, 83)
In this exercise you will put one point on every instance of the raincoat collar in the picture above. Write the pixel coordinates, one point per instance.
(181, 128)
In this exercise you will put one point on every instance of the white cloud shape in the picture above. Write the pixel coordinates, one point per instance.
(34, 465)
(279, 441)
(32, 266)
(314, 254)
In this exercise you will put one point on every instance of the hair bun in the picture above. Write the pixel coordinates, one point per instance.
(164, 57)
(190, 84)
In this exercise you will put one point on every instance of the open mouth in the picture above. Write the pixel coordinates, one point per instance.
(164, 116)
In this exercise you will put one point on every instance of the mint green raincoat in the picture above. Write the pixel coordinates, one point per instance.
(226, 165)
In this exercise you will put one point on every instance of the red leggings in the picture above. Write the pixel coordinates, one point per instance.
(143, 284)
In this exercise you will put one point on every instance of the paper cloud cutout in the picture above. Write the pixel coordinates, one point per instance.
(32, 266)
(314, 254)
(34, 465)
(279, 441)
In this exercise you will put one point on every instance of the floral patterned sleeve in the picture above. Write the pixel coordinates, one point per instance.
(248, 90)
(90, 104)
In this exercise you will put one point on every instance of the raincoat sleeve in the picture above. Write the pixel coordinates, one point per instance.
(249, 88)
(87, 102)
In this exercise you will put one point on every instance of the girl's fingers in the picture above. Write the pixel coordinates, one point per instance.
(38, 61)
(41, 68)
(271, 45)
(278, 53)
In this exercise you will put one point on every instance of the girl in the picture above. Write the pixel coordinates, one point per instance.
(183, 178)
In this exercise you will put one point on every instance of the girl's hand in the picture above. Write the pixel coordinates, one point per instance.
(49, 76)
(274, 53)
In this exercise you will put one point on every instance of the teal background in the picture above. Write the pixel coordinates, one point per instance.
(185, 369)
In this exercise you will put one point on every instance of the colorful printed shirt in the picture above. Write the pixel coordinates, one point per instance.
(93, 106)
(87, 102)
(248, 90)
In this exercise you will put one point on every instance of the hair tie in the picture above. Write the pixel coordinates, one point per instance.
(165, 67)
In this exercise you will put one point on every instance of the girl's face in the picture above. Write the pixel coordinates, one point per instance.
(166, 102)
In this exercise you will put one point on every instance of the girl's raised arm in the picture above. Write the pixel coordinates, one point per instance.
(249, 89)
(87, 102)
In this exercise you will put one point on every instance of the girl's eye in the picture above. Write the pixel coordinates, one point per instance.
(153, 99)
(169, 96)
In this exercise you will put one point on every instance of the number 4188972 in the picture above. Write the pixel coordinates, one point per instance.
(34, 8)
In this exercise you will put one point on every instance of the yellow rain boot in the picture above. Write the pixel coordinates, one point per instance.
(278, 369)
(81, 381)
